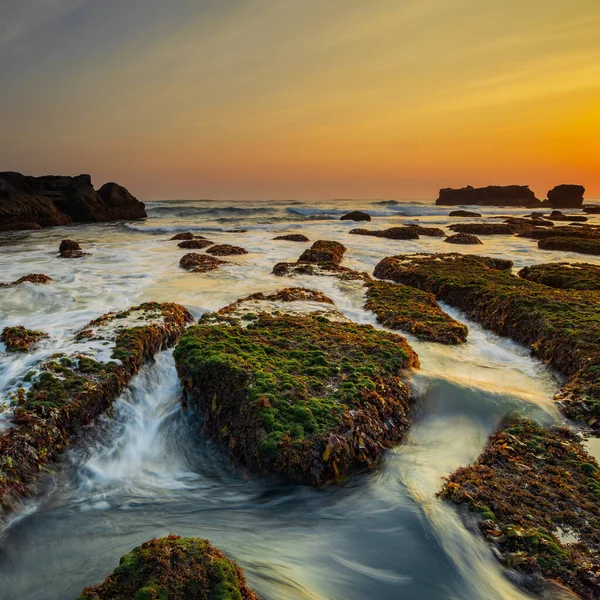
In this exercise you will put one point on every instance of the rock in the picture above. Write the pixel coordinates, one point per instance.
(463, 238)
(463, 213)
(182, 236)
(592, 209)
(32, 202)
(200, 263)
(196, 244)
(566, 196)
(493, 195)
(326, 269)
(560, 326)
(292, 237)
(525, 224)
(583, 231)
(399, 307)
(173, 568)
(226, 250)
(483, 228)
(571, 244)
(19, 226)
(70, 249)
(67, 393)
(427, 231)
(528, 487)
(566, 276)
(31, 278)
(356, 215)
(393, 233)
(307, 396)
(19, 339)
(324, 251)
(556, 215)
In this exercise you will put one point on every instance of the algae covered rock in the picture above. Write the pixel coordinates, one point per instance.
(463, 213)
(566, 276)
(324, 251)
(173, 568)
(195, 244)
(571, 244)
(463, 238)
(187, 235)
(531, 486)
(584, 231)
(20, 339)
(226, 250)
(54, 401)
(31, 278)
(200, 263)
(296, 390)
(409, 309)
(393, 233)
(557, 215)
(483, 228)
(292, 237)
(70, 249)
(427, 231)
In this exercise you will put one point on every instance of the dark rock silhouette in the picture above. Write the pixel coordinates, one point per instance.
(493, 195)
(566, 196)
(36, 202)
(463, 213)
(70, 249)
(594, 209)
(356, 215)
(463, 238)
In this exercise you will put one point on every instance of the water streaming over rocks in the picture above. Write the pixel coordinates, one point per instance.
(145, 470)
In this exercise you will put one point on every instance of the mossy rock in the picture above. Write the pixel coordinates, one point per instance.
(298, 395)
(393, 233)
(566, 276)
(173, 568)
(584, 231)
(20, 339)
(292, 237)
(31, 278)
(571, 244)
(484, 228)
(529, 486)
(324, 251)
(562, 327)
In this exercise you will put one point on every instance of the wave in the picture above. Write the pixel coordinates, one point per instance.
(159, 229)
(212, 211)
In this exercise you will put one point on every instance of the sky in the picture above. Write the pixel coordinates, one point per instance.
(304, 99)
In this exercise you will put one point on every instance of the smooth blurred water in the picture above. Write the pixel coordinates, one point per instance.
(145, 470)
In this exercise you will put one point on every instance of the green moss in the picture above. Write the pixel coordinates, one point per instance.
(571, 244)
(20, 339)
(567, 276)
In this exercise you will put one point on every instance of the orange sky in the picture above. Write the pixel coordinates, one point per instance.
(303, 98)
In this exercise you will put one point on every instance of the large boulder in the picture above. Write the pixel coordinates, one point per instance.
(492, 195)
(566, 196)
(34, 202)
(356, 215)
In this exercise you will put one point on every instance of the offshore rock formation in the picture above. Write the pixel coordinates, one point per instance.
(291, 387)
(36, 202)
(173, 568)
(493, 195)
(70, 249)
(68, 392)
(356, 215)
(566, 196)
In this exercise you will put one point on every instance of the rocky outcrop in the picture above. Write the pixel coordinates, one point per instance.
(427, 231)
(20, 339)
(31, 278)
(200, 263)
(324, 251)
(393, 233)
(493, 195)
(188, 235)
(565, 276)
(226, 250)
(70, 249)
(195, 244)
(566, 196)
(591, 232)
(68, 392)
(292, 237)
(557, 215)
(356, 215)
(463, 238)
(463, 213)
(34, 202)
(592, 209)
(290, 387)
(173, 568)
(571, 244)
(484, 228)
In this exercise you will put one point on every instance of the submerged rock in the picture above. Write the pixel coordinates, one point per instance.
(592, 209)
(583, 231)
(356, 215)
(20, 339)
(557, 215)
(197, 244)
(566, 276)
(319, 269)
(463, 238)
(66, 393)
(427, 231)
(463, 213)
(292, 388)
(560, 326)
(571, 244)
(226, 250)
(324, 251)
(483, 228)
(70, 249)
(200, 263)
(393, 233)
(173, 568)
(188, 235)
(31, 278)
(530, 487)
(493, 195)
(292, 237)
(566, 196)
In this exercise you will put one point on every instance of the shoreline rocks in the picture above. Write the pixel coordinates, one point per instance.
(200, 263)
(31, 278)
(483, 228)
(173, 567)
(20, 339)
(565, 276)
(70, 249)
(356, 215)
(37, 202)
(571, 244)
(393, 233)
(226, 250)
(292, 237)
(463, 213)
(195, 244)
(557, 215)
(566, 196)
(324, 251)
(492, 195)
(463, 238)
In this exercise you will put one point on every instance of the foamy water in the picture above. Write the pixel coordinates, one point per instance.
(145, 470)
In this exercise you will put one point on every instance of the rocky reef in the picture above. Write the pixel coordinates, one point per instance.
(173, 568)
(537, 494)
(36, 202)
(292, 237)
(493, 195)
(559, 326)
(393, 233)
(195, 244)
(565, 276)
(575, 231)
(557, 215)
(463, 238)
(571, 244)
(290, 387)
(566, 196)
(483, 228)
(20, 339)
(55, 400)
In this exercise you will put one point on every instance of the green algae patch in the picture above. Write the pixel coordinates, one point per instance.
(66, 393)
(20, 339)
(409, 309)
(172, 568)
(566, 276)
(301, 396)
(571, 244)
(561, 327)
(583, 231)
(530, 486)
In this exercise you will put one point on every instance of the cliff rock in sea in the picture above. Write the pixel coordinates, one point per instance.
(492, 195)
(566, 196)
(36, 202)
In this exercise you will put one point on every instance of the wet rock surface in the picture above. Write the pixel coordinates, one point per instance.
(463, 238)
(571, 244)
(483, 228)
(200, 263)
(292, 237)
(20, 339)
(31, 278)
(195, 244)
(463, 213)
(226, 250)
(324, 251)
(566, 276)
(173, 568)
(356, 215)
(557, 215)
(393, 233)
